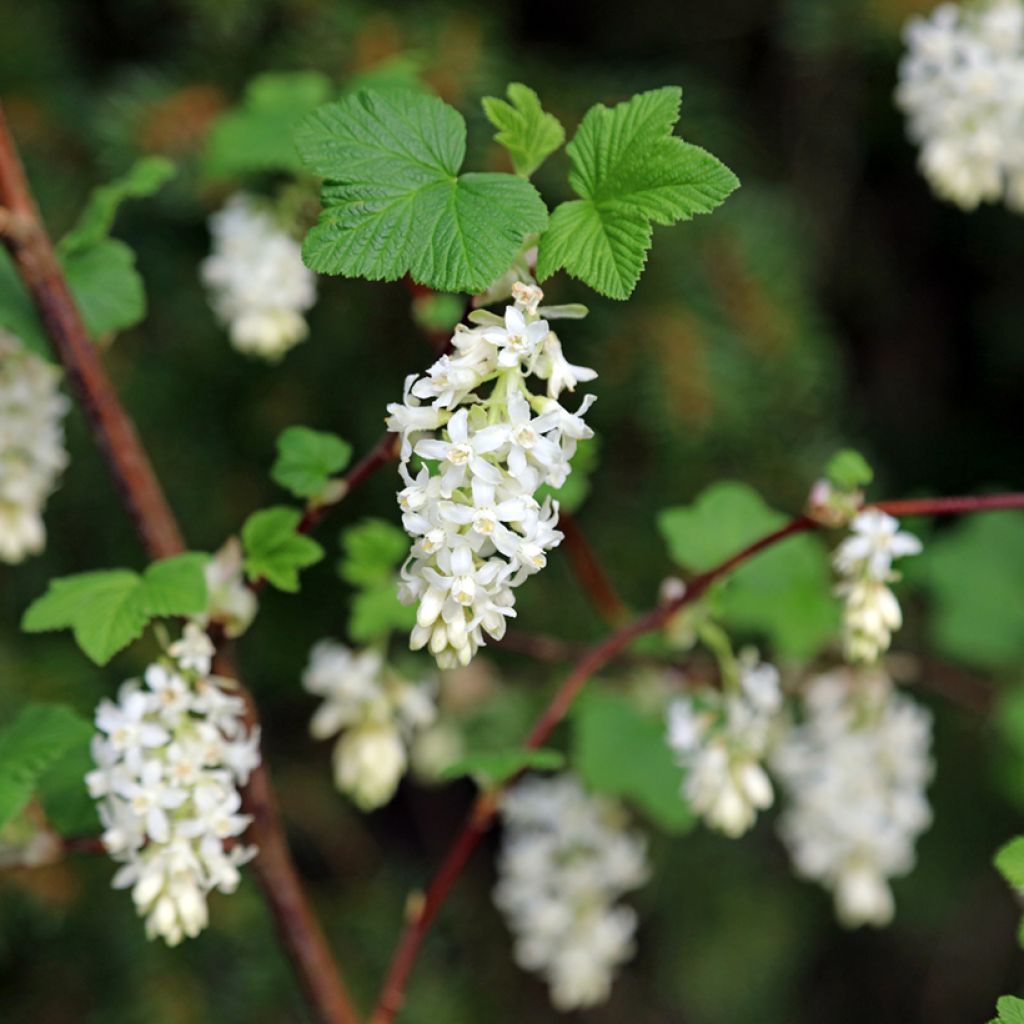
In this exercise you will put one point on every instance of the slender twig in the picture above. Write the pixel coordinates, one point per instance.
(140, 491)
(482, 814)
(596, 583)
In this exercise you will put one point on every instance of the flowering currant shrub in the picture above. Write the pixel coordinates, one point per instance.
(479, 647)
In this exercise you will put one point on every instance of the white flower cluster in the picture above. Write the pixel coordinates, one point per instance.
(230, 603)
(377, 712)
(171, 753)
(32, 453)
(961, 84)
(721, 739)
(478, 529)
(864, 561)
(566, 858)
(259, 286)
(854, 773)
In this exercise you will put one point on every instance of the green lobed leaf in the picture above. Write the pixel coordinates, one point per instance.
(107, 286)
(525, 129)
(630, 172)
(376, 611)
(306, 460)
(258, 136)
(974, 574)
(394, 202)
(848, 470)
(31, 744)
(784, 592)
(144, 178)
(69, 808)
(274, 550)
(492, 768)
(620, 750)
(372, 551)
(107, 610)
(1009, 1010)
(1009, 860)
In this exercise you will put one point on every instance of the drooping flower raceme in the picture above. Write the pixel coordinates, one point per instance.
(566, 859)
(478, 530)
(377, 712)
(32, 453)
(171, 753)
(721, 739)
(854, 773)
(259, 287)
(864, 562)
(961, 85)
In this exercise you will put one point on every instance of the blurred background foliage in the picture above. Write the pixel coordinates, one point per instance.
(832, 301)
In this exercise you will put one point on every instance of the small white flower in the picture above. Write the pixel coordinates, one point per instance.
(377, 713)
(32, 453)
(170, 757)
(566, 858)
(854, 772)
(259, 287)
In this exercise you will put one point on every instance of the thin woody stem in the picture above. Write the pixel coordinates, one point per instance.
(484, 809)
(129, 466)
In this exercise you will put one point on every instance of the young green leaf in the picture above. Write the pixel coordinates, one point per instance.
(109, 609)
(492, 768)
(395, 202)
(620, 750)
(848, 470)
(524, 128)
(974, 574)
(306, 460)
(69, 808)
(107, 286)
(144, 178)
(1010, 1010)
(376, 611)
(1009, 861)
(630, 172)
(30, 745)
(784, 593)
(372, 551)
(274, 550)
(258, 136)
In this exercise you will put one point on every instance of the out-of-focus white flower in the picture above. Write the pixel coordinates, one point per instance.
(854, 774)
(171, 754)
(720, 738)
(32, 453)
(478, 529)
(377, 712)
(259, 287)
(230, 603)
(864, 561)
(566, 858)
(961, 85)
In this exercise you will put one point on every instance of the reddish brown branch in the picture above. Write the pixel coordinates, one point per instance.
(129, 466)
(590, 573)
(951, 506)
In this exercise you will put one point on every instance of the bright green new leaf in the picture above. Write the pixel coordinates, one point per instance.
(1010, 1010)
(395, 202)
(1009, 860)
(372, 551)
(258, 136)
(144, 178)
(492, 768)
(620, 750)
(524, 128)
(974, 573)
(107, 286)
(30, 745)
(274, 550)
(109, 609)
(785, 592)
(306, 460)
(630, 172)
(848, 470)
(376, 611)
